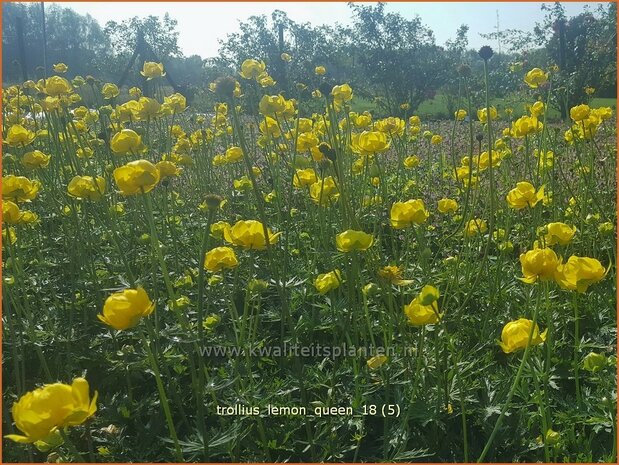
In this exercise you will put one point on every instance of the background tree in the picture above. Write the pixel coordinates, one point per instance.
(74, 39)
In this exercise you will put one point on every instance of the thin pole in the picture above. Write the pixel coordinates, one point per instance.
(44, 40)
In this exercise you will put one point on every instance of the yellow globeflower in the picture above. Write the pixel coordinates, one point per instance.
(580, 112)
(60, 68)
(578, 273)
(56, 85)
(136, 176)
(420, 314)
(251, 69)
(39, 413)
(250, 234)
(19, 136)
(127, 141)
(460, 115)
(475, 226)
(233, 154)
(286, 57)
(328, 281)
(447, 206)
(19, 188)
(123, 310)
(110, 91)
(353, 240)
(538, 264)
(35, 159)
(11, 213)
(220, 258)
(559, 233)
(168, 169)
(535, 78)
(86, 187)
(526, 125)
(342, 93)
(175, 103)
(405, 214)
(152, 70)
(307, 141)
(524, 195)
(320, 70)
(515, 335)
(324, 191)
(303, 178)
(270, 105)
(482, 114)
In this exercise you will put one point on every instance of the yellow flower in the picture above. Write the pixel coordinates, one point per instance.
(580, 112)
(286, 57)
(353, 240)
(515, 335)
(538, 264)
(305, 177)
(41, 412)
(306, 141)
(10, 212)
(233, 154)
(218, 228)
(271, 105)
(35, 159)
(328, 281)
(589, 90)
(475, 226)
(250, 234)
(371, 142)
(320, 70)
(86, 187)
(342, 93)
(559, 233)
(123, 310)
(19, 188)
(411, 162)
(136, 176)
(393, 274)
(251, 69)
(460, 115)
(57, 85)
(148, 108)
(392, 126)
(447, 206)
(524, 195)
(405, 214)
(535, 78)
(110, 91)
(537, 109)
(324, 191)
(482, 114)
(436, 139)
(19, 136)
(419, 314)
(526, 125)
(127, 141)
(168, 169)
(377, 361)
(176, 103)
(220, 258)
(578, 273)
(152, 70)
(60, 68)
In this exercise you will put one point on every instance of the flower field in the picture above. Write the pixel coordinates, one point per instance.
(287, 281)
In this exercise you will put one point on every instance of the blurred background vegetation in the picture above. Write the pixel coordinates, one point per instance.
(387, 59)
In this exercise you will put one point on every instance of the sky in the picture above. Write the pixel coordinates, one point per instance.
(201, 24)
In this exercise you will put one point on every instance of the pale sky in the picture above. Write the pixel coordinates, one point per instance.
(201, 24)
